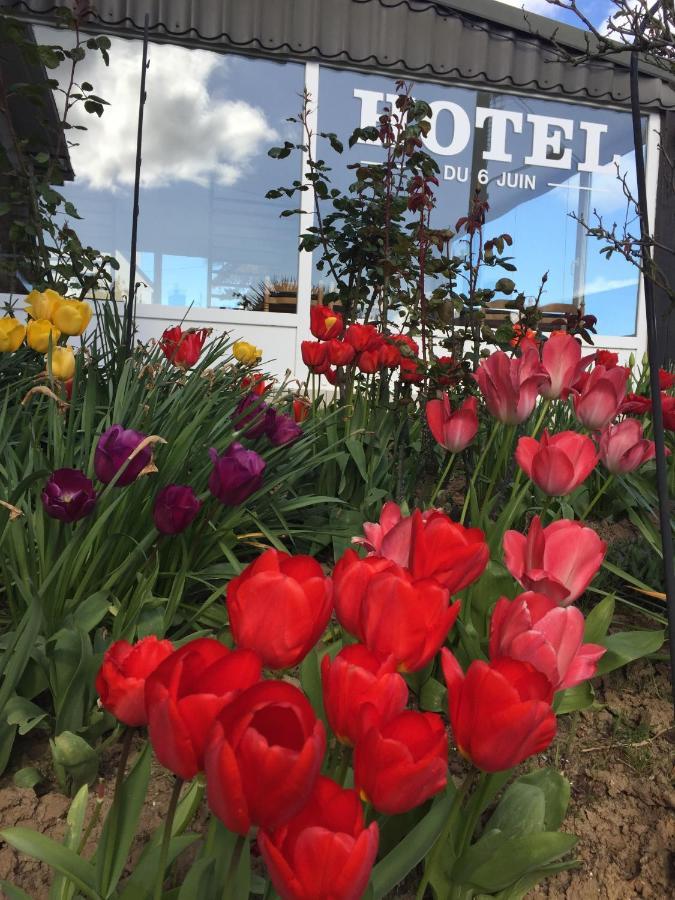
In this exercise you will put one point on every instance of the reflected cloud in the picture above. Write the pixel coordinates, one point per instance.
(191, 132)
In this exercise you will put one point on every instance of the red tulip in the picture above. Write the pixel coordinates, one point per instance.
(623, 448)
(668, 406)
(325, 852)
(360, 691)
(510, 385)
(406, 619)
(606, 358)
(500, 712)
(301, 408)
(183, 348)
(535, 630)
(362, 337)
(331, 376)
(120, 682)
(351, 578)
(340, 353)
(601, 397)
(184, 695)
(559, 561)
(402, 763)
(557, 464)
(315, 356)
(263, 756)
(255, 384)
(428, 543)
(452, 430)
(562, 363)
(325, 323)
(446, 551)
(635, 405)
(666, 380)
(279, 607)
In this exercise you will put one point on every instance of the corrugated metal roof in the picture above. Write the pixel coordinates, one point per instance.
(473, 41)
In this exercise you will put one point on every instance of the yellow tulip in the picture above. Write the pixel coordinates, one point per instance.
(38, 332)
(71, 316)
(41, 305)
(246, 353)
(11, 334)
(63, 363)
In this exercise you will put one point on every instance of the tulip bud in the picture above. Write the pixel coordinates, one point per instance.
(68, 495)
(41, 305)
(236, 474)
(38, 334)
(281, 429)
(12, 333)
(176, 507)
(114, 450)
(245, 353)
(325, 323)
(183, 348)
(61, 361)
(71, 317)
(120, 682)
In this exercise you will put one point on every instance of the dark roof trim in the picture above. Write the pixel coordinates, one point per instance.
(473, 41)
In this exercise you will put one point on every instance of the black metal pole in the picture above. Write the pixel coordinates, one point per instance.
(650, 311)
(130, 309)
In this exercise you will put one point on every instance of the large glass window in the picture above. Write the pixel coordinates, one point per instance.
(207, 235)
(542, 165)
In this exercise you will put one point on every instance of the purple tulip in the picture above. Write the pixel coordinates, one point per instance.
(68, 495)
(250, 416)
(281, 429)
(176, 506)
(236, 474)
(113, 450)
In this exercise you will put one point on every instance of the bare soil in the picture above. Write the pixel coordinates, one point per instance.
(618, 757)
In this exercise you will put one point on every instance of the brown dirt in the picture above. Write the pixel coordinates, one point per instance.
(618, 758)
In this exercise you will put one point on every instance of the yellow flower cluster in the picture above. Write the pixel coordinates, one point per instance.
(246, 353)
(50, 316)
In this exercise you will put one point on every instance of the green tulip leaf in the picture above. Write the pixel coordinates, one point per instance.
(433, 695)
(573, 699)
(598, 620)
(27, 777)
(556, 790)
(391, 870)
(12, 892)
(120, 825)
(140, 885)
(521, 810)
(496, 861)
(627, 646)
(310, 679)
(75, 762)
(62, 859)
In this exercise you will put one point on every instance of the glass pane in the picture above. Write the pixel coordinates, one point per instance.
(207, 236)
(540, 163)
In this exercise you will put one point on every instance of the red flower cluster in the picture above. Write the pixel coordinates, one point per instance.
(359, 345)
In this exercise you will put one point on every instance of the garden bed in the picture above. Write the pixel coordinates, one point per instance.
(619, 762)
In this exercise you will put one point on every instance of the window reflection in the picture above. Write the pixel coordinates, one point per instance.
(540, 162)
(207, 235)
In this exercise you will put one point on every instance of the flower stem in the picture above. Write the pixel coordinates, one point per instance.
(542, 415)
(230, 892)
(127, 739)
(606, 484)
(444, 475)
(166, 837)
(479, 464)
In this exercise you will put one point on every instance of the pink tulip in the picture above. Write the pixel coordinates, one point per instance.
(453, 430)
(561, 361)
(622, 447)
(599, 399)
(391, 536)
(534, 629)
(557, 464)
(559, 561)
(510, 385)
